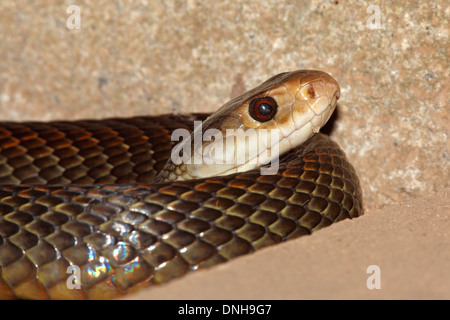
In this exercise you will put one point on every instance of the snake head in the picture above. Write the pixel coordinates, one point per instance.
(256, 128)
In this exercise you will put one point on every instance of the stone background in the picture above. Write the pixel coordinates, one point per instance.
(150, 57)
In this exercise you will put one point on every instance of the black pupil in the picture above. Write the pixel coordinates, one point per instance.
(264, 109)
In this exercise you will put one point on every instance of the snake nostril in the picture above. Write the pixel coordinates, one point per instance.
(311, 91)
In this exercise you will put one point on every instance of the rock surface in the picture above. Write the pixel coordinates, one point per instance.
(152, 57)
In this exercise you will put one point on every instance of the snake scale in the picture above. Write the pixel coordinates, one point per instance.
(83, 194)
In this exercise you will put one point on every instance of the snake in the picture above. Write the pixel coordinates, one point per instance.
(97, 209)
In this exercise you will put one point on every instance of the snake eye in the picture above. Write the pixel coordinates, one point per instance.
(263, 109)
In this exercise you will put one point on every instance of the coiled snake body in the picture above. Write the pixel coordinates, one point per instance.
(81, 193)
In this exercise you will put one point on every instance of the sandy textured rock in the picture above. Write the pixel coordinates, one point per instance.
(150, 57)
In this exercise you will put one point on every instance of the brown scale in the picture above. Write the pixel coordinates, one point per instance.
(130, 233)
